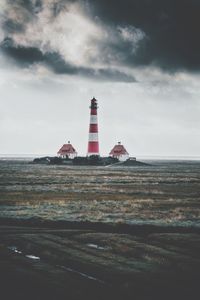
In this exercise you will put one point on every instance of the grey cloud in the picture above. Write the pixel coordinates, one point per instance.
(18, 14)
(33, 6)
(27, 56)
(28, 53)
(10, 26)
(140, 33)
(59, 66)
(23, 56)
(172, 28)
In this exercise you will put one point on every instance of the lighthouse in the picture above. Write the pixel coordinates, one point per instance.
(93, 142)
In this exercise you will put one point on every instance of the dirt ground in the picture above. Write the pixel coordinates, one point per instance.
(47, 262)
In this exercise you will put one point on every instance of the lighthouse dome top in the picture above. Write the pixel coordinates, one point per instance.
(93, 103)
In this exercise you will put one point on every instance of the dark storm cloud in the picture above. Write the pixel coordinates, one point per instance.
(60, 66)
(172, 28)
(27, 56)
(23, 56)
(23, 14)
(168, 32)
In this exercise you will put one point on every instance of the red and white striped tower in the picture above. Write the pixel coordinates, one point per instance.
(93, 143)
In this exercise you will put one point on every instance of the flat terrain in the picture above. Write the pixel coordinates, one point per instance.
(162, 193)
(99, 233)
(48, 263)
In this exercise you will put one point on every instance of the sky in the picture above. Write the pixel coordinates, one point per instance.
(139, 58)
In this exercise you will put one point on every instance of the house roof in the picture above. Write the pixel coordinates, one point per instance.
(118, 150)
(67, 149)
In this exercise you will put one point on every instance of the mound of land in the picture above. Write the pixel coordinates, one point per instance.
(87, 161)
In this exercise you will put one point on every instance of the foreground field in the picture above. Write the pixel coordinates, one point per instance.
(99, 233)
(51, 263)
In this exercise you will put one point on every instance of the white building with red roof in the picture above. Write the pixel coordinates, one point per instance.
(67, 151)
(119, 152)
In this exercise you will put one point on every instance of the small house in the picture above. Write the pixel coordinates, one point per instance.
(67, 151)
(119, 152)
